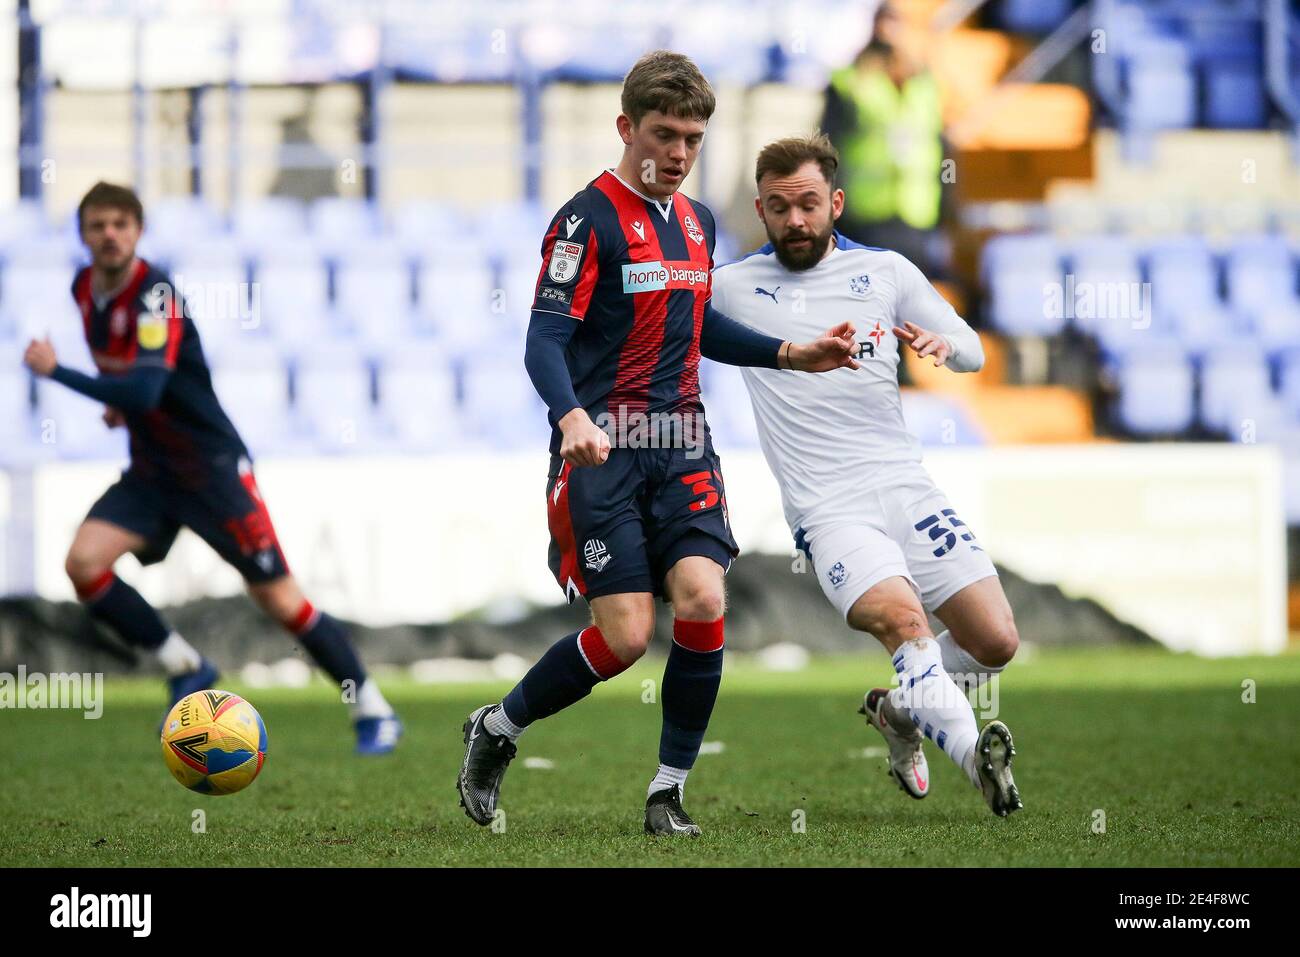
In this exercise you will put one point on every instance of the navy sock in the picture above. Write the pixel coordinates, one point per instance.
(328, 644)
(690, 687)
(122, 608)
(564, 675)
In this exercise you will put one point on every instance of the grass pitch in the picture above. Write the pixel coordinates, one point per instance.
(1163, 745)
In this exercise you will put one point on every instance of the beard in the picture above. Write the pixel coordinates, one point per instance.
(799, 258)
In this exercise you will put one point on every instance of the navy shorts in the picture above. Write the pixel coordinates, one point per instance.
(620, 526)
(224, 508)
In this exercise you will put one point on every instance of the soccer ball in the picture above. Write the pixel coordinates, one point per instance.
(214, 742)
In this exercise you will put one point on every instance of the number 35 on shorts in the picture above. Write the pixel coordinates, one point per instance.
(945, 528)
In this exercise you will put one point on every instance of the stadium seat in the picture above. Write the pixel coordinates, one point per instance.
(1184, 276)
(72, 425)
(21, 223)
(1234, 94)
(293, 297)
(332, 398)
(424, 223)
(1260, 274)
(1234, 382)
(1107, 285)
(373, 293)
(253, 388)
(15, 407)
(939, 420)
(1277, 328)
(498, 404)
(213, 279)
(727, 405)
(340, 224)
(269, 224)
(1156, 392)
(1020, 272)
(173, 222)
(417, 397)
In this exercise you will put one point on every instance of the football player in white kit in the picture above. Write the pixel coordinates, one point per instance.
(884, 542)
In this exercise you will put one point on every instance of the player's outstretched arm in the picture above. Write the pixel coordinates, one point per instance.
(834, 350)
(931, 327)
(583, 443)
(725, 340)
(968, 356)
(138, 390)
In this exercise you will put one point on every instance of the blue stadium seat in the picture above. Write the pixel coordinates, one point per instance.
(373, 291)
(1260, 273)
(1184, 276)
(332, 398)
(1234, 94)
(420, 224)
(1156, 392)
(293, 297)
(938, 420)
(253, 388)
(1235, 381)
(213, 279)
(1107, 285)
(74, 424)
(1159, 82)
(1277, 328)
(1033, 16)
(176, 221)
(498, 405)
(417, 397)
(1019, 271)
(726, 402)
(339, 224)
(15, 408)
(20, 223)
(269, 223)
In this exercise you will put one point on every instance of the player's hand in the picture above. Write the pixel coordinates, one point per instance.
(924, 342)
(113, 417)
(40, 357)
(834, 350)
(584, 443)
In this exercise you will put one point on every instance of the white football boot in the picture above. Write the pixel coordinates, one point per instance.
(906, 759)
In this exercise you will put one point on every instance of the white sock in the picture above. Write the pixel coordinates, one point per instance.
(370, 702)
(934, 702)
(968, 673)
(497, 722)
(178, 656)
(665, 778)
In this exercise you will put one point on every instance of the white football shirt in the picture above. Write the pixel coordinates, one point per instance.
(831, 436)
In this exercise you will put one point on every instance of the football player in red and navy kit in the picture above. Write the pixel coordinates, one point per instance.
(635, 497)
(188, 468)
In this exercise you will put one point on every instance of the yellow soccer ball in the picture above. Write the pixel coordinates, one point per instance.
(214, 742)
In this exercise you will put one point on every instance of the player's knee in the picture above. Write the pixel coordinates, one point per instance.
(84, 565)
(629, 639)
(699, 601)
(282, 600)
(891, 622)
(1001, 643)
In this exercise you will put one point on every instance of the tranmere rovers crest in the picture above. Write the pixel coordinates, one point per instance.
(860, 285)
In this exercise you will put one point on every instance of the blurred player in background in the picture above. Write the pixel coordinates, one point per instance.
(188, 468)
(884, 542)
(620, 319)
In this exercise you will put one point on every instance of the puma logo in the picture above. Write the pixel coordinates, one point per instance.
(760, 291)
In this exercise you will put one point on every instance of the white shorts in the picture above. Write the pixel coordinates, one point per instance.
(904, 528)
